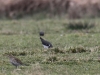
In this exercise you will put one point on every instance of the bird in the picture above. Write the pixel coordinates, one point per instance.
(41, 33)
(46, 44)
(14, 61)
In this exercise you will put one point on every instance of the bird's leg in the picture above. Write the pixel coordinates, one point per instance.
(18, 68)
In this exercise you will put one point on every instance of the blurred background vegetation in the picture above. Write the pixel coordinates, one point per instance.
(50, 8)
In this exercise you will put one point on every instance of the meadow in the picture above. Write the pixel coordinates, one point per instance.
(75, 51)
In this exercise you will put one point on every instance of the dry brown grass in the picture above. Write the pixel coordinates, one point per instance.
(85, 8)
(75, 8)
(12, 8)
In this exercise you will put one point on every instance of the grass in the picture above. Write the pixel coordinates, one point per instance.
(21, 38)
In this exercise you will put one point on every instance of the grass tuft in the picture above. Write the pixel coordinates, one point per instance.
(21, 53)
(77, 50)
(57, 50)
(51, 59)
(80, 25)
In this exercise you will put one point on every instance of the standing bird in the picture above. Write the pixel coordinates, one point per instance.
(14, 61)
(46, 44)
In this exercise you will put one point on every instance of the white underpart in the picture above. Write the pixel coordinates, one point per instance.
(45, 46)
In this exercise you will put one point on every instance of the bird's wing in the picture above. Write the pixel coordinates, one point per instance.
(18, 60)
(47, 43)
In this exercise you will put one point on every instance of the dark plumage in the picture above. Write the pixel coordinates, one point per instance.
(45, 43)
(41, 33)
(14, 61)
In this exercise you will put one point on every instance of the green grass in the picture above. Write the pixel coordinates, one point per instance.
(21, 38)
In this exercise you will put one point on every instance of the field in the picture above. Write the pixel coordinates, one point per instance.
(76, 51)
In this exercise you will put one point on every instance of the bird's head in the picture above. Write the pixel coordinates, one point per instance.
(41, 33)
